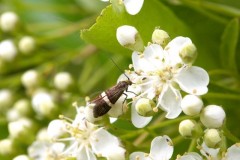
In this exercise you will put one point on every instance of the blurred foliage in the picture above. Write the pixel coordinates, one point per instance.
(55, 24)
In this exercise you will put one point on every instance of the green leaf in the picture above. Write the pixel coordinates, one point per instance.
(229, 44)
(153, 14)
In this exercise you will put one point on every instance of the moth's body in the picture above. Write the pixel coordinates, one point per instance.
(104, 102)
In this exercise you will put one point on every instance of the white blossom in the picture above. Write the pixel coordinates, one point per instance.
(62, 80)
(21, 157)
(161, 149)
(212, 116)
(8, 21)
(42, 150)
(87, 140)
(5, 99)
(8, 50)
(30, 78)
(190, 156)
(233, 152)
(7, 146)
(26, 44)
(160, 72)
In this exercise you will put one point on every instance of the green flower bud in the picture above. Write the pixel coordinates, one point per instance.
(160, 37)
(189, 128)
(145, 107)
(212, 138)
(188, 53)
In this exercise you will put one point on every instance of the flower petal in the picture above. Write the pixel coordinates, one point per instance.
(233, 152)
(154, 55)
(86, 154)
(117, 153)
(193, 80)
(191, 156)
(170, 101)
(118, 108)
(133, 6)
(103, 143)
(140, 63)
(161, 148)
(137, 120)
(209, 153)
(138, 156)
(56, 128)
(173, 48)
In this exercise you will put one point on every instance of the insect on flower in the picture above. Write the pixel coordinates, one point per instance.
(104, 102)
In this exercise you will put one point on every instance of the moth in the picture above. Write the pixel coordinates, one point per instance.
(104, 102)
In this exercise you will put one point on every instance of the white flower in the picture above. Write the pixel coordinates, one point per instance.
(8, 21)
(212, 116)
(21, 157)
(233, 152)
(30, 79)
(161, 149)
(7, 146)
(43, 104)
(8, 51)
(41, 150)
(62, 80)
(159, 72)
(20, 128)
(86, 139)
(210, 153)
(190, 156)
(191, 105)
(132, 6)
(26, 44)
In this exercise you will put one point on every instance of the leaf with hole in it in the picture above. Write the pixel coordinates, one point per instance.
(228, 45)
(153, 14)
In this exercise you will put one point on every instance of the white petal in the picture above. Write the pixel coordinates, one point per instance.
(86, 154)
(133, 6)
(118, 108)
(103, 142)
(139, 156)
(173, 48)
(141, 64)
(233, 152)
(112, 119)
(209, 153)
(117, 153)
(137, 120)
(56, 128)
(161, 148)
(154, 55)
(58, 147)
(193, 80)
(191, 156)
(170, 101)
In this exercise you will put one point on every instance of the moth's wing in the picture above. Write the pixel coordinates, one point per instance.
(114, 93)
(100, 108)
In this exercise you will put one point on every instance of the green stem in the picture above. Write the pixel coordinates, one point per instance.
(192, 145)
(229, 135)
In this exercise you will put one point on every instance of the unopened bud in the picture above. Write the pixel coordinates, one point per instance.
(191, 105)
(8, 21)
(212, 116)
(144, 107)
(8, 50)
(129, 37)
(21, 129)
(26, 44)
(160, 37)
(5, 99)
(212, 138)
(23, 107)
(186, 128)
(62, 80)
(21, 157)
(30, 79)
(188, 53)
(7, 147)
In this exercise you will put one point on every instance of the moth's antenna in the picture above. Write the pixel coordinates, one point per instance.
(119, 68)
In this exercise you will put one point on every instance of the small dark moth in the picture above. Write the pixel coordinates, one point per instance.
(104, 102)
